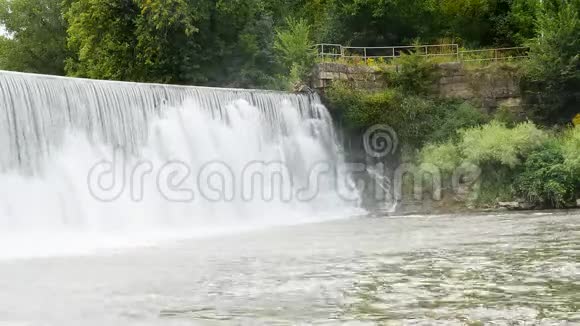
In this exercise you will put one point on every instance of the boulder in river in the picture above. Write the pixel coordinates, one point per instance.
(509, 205)
(513, 205)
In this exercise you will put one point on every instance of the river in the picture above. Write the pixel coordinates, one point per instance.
(508, 269)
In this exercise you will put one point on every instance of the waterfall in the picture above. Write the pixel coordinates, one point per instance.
(87, 163)
(385, 197)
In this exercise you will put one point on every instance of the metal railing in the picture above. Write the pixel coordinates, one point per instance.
(451, 51)
(493, 54)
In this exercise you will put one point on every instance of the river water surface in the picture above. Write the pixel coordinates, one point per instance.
(513, 269)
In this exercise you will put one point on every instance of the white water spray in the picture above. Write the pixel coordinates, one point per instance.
(90, 164)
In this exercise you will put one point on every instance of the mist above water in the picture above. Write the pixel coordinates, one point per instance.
(91, 164)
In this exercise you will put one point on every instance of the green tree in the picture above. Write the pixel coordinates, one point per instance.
(5, 45)
(522, 20)
(102, 36)
(294, 48)
(552, 80)
(468, 20)
(236, 43)
(489, 22)
(415, 74)
(545, 179)
(379, 22)
(37, 41)
(252, 63)
(178, 41)
(168, 44)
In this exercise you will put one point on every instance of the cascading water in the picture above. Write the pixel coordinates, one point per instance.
(87, 164)
(385, 195)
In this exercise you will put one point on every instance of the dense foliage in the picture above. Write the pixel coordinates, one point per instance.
(243, 43)
(552, 81)
(546, 179)
(269, 44)
(519, 160)
(36, 40)
(407, 105)
(294, 50)
(494, 143)
(523, 162)
(177, 41)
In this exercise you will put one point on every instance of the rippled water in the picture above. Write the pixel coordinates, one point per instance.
(445, 270)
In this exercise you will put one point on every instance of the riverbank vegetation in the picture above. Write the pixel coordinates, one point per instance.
(531, 154)
(527, 154)
(525, 163)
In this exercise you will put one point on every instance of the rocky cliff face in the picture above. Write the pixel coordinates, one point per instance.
(491, 86)
(363, 77)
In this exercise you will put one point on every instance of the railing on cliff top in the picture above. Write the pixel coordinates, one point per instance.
(446, 52)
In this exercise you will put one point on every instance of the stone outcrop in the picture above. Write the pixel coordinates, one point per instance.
(491, 86)
(363, 77)
(509, 205)
(516, 205)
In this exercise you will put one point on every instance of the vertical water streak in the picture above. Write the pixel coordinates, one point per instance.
(55, 130)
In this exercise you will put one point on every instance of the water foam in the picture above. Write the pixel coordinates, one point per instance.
(59, 136)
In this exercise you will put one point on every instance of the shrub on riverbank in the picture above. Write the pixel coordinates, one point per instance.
(494, 143)
(518, 159)
(416, 119)
(523, 162)
(571, 149)
(545, 178)
(409, 105)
